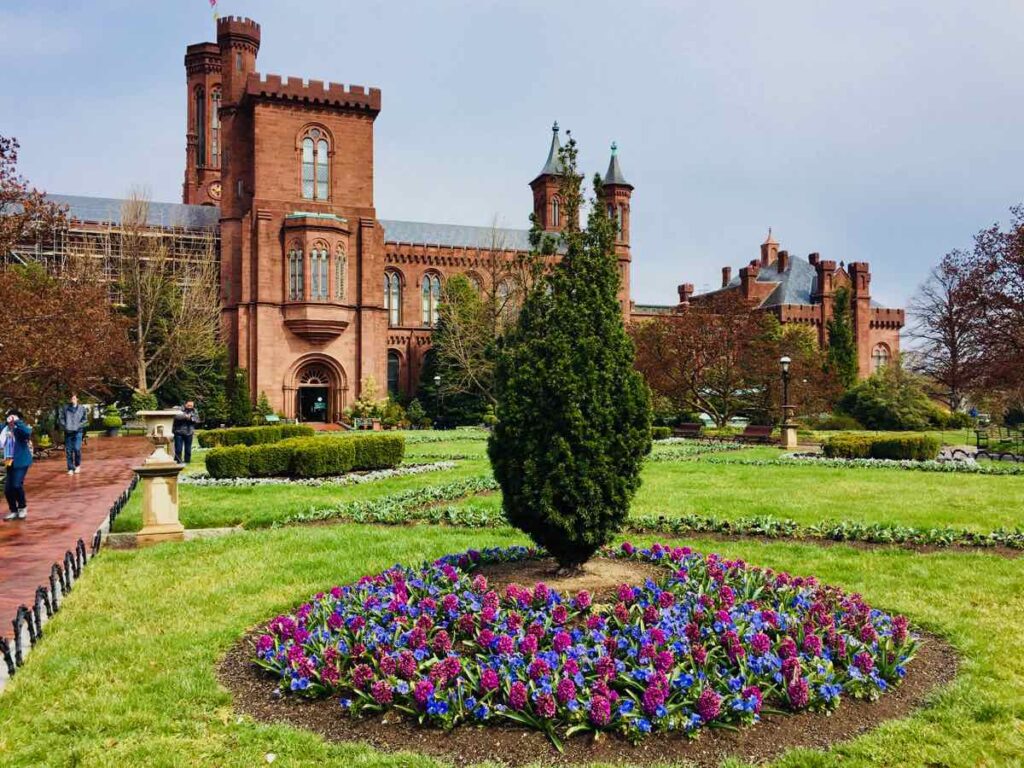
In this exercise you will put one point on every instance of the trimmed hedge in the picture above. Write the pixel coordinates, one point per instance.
(213, 438)
(307, 456)
(914, 447)
(661, 433)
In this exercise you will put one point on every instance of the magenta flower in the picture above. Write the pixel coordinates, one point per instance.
(406, 665)
(900, 627)
(528, 645)
(864, 662)
(787, 648)
(489, 680)
(382, 692)
(387, 665)
(760, 644)
(709, 704)
(506, 645)
(566, 690)
(562, 642)
(422, 691)
(442, 643)
(361, 676)
(559, 615)
(798, 693)
(600, 711)
(517, 695)
(582, 601)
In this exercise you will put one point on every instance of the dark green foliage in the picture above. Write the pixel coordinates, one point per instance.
(842, 347)
(835, 421)
(415, 412)
(951, 419)
(892, 398)
(661, 433)
(263, 408)
(574, 415)
(321, 457)
(143, 402)
(916, 447)
(303, 456)
(448, 410)
(1014, 416)
(239, 399)
(205, 381)
(253, 435)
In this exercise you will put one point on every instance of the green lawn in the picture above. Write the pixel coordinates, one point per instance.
(126, 674)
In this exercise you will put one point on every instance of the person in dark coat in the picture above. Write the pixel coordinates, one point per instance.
(185, 422)
(16, 438)
(73, 419)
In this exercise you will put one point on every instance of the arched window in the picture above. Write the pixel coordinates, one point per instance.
(475, 281)
(340, 273)
(505, 299)
(318, 273)
(619, 215)
(296, 277)
(215, 127)
(200, 127)
(431, 299)
(879, 357)
(315, 167)
(554, 212)
(394, 372)
(393, 298)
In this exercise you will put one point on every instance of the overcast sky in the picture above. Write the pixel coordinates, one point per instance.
(886, 132)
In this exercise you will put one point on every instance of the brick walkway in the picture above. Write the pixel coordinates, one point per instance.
(61, 510)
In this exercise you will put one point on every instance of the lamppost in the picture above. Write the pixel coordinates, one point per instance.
(788, 427)
(437, 399)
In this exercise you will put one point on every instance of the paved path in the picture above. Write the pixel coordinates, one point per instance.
(61, 510)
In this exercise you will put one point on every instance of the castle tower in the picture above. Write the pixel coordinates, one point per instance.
(239, 42)
(617, 194)
(203, 139)
(546, 204)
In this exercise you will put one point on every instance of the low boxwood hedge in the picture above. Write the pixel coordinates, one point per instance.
(661, 433)
(212, 438)
(307, 456)
(915, 447)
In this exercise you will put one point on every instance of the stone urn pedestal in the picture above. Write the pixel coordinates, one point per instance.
(159, 476)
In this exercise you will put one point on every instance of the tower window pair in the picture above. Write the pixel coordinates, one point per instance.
(315, 166)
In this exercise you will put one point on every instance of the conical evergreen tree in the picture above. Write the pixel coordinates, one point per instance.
(574, 415)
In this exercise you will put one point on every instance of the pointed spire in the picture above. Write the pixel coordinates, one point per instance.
(553, 166)
(770, 240)
(614, 175)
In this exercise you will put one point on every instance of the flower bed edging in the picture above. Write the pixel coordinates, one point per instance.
(202, 479)
(906, 464)
(713, 644)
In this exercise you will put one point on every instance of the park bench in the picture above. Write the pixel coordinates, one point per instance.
(688, 430)
(272, 418)
(754, 433)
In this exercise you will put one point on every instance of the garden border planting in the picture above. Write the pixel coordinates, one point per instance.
(203, 480)
(948, 467)
(898, 447)
(307, 456)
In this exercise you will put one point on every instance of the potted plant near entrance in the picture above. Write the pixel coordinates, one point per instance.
(112, 421)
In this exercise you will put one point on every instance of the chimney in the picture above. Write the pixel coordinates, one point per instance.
(748, 276)
(726, 276)
(783, 261)
(685, 292)
(814, 258)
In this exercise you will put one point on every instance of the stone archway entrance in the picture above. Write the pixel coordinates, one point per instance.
(317, 391)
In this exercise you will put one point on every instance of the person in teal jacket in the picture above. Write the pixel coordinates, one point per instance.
(16, 439)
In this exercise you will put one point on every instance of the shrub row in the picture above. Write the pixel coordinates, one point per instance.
(948, 467)
(212, 438)
(307, 456)
(661, 433)
(916, 447)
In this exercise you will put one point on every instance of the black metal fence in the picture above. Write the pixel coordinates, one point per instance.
(48, 598)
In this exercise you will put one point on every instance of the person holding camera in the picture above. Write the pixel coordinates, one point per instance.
(73, 419)
(16, 439)
(184, 428)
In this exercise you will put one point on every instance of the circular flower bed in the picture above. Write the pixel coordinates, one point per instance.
(715, 642)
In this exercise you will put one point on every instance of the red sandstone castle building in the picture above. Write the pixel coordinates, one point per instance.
(319, 295)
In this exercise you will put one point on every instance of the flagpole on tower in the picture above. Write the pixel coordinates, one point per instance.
(213, 7)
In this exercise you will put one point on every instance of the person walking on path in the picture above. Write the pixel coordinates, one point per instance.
(16, 439)
(73, 419)
(185, 422)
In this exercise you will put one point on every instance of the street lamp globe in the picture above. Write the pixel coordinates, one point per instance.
(784, 362)
(437, 381)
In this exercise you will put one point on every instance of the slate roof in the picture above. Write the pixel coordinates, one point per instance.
(108, 209)
(614, 174)
(553, 165)
(455, 235)
(795, 286)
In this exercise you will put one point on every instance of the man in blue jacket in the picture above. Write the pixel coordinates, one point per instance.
(73, 419)
(16, 438)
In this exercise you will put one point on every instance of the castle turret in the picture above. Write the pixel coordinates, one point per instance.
(547, 206)
(617, 194)
(203, 139)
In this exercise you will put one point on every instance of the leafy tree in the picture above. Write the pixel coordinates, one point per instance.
(263, 408)
(240, 399)
(415, 412)
(205, 381)
(891, 398)
(443, 407)
(25, 213)
(842, 346)
(574, 415)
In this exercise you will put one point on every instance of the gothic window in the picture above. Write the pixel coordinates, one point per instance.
(296, 276)
(879, 357)
(319, 261)
(215, 127)
(619, 214)
(200, 127)
(315, 167)
(475, 281)
(554, 212)
(393, 298)
(431, 299)
(340, 273)
(394, 372)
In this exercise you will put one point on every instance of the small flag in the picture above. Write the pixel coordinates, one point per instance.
(213, 5)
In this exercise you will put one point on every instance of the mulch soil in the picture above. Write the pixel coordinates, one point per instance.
(256, 694)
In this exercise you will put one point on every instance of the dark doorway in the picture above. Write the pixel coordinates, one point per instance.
(313, 403)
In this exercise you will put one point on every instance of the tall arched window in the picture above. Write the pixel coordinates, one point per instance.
(554, 212)
(393, 298)
(318, 273)
(619, 214)
(315, 167)
(200, 127)
(879, 357)
(394, 372)
(296, 276)
(340, 273)
(431, 299)
(215, 127)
